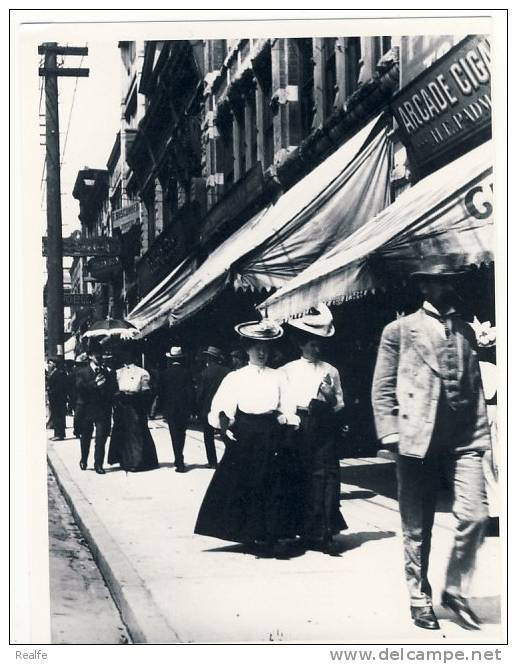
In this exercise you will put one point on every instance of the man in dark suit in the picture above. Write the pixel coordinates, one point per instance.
(429, 406)
(95, 387)
(209, 380)
(176, 394)
(57, 390)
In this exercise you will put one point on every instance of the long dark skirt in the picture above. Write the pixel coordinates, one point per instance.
(320, 480)
(131, 443)
(250, 497)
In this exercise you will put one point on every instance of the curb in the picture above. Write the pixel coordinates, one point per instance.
(140, 613)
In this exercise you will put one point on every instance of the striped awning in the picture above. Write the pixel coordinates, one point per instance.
(446, 217)
(152, 311)
(317, 212)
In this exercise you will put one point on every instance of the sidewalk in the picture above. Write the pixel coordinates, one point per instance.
(172, 586)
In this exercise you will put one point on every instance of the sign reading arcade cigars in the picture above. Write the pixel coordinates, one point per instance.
(447, 109)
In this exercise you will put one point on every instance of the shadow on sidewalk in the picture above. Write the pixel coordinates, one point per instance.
(375, 478)
(487, 608)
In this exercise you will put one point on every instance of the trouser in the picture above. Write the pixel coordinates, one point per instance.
(208, 437)
(177, 431)
(418, 484)
(58, 416)
(102, 427)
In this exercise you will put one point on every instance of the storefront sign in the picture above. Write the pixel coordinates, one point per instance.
(124, 218)
(447, 110)
(87, 246)
(419, 52)
(103, 269)
(78, 300)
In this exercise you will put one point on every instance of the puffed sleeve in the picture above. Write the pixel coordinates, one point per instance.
(338, 390)
(225, 400)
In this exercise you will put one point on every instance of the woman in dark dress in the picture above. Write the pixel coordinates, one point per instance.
(131, 444)
(248, 499)
(314, 390)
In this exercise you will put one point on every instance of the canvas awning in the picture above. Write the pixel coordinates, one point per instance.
(152, 311)
(326, 205)
(446, 217)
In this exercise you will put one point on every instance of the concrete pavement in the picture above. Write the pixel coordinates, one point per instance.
(175, 587)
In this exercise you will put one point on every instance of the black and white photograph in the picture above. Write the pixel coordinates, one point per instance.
(267, 267)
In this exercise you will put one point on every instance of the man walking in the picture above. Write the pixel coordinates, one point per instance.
(429, 405)
(95, 386)
(176, 394)
(209, 380)
(57, 390)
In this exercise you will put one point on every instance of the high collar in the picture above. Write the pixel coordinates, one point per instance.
(431, 309)
(312, 362)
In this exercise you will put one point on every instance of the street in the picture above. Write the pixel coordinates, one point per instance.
(82, 610)
(174, 586)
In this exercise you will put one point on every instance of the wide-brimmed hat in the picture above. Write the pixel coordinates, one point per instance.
(260, 330)
(213, 351)
(175, 352)
(439, 270)
(317, 321)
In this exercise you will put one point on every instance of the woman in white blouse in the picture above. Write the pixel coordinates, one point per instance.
(248, 500)
(131, 444)
(315, 393)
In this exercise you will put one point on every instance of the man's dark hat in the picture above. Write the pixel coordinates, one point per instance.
(213, 351)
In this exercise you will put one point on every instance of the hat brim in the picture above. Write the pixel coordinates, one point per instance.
(254, 336)
(438, 275)
(312, 331)
(174, 357)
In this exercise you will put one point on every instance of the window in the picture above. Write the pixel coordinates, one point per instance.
(329, 65)
(269, 136)
(352, 64)
(306, 84)
(239, 143)
(225, 149)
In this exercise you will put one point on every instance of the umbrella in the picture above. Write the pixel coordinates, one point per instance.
(112, 327)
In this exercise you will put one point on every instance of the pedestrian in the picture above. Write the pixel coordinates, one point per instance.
(57, 391)
(238, 359)
(314, 389)
(429, 406)
(486, 349)
(176, 394)
(246, 499)
(80, 362)
(208, 383)
(131, 444)
(95, 387)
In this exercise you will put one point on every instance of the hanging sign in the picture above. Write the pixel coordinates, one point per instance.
(87, 246)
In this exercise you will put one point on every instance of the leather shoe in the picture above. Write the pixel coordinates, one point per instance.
(180, 469)
(83, 465)
(100, 470)
(461, 608)
(423, 616)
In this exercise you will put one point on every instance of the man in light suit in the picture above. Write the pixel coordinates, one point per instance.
(429, 406)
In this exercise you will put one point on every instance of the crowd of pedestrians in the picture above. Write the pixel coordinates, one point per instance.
(277, 484)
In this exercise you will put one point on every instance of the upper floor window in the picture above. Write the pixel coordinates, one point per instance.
(329, 65)
(352, 64)
(306, 84)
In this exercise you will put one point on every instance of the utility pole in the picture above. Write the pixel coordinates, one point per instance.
(55, 305)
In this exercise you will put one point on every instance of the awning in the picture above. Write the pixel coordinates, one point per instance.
(152, 311)
(446, 217)
(275, 244)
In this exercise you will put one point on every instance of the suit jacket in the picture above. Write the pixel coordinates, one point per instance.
(95, 401)
(209, 380)
(57, 386)
(176, 393)
(407, 385)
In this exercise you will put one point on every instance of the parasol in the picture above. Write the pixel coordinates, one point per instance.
(112, 327)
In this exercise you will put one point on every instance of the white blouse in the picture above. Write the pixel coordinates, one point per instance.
(253, 390)
(133, 379)
(303, 380)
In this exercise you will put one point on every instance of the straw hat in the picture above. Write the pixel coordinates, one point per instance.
(317, 321)
(261, 330)
(175, 353)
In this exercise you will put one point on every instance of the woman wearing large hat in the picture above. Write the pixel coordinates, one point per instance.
(314, 389)
(247, 500)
